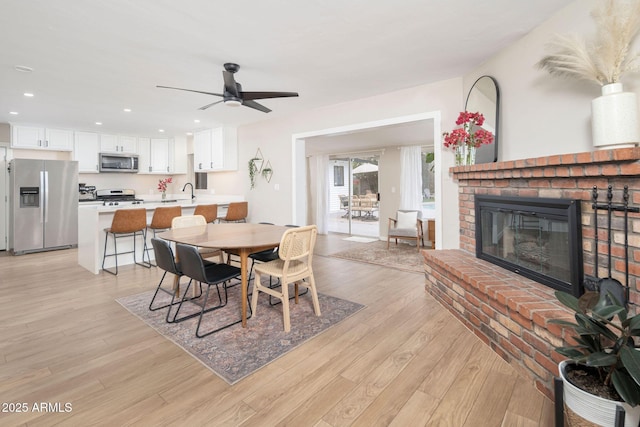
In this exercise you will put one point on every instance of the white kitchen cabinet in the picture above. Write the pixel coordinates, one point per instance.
(32, 137)
(144, 155)
(128, 144)
(162, 156)
(215, 150)
(85, 150)
(159, 155)
(118, 144)
(109, 143)
(178, 155)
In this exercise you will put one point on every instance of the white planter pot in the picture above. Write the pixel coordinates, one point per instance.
(614, 118)
(599, 411)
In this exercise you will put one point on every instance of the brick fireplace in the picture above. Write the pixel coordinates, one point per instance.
(509, 312)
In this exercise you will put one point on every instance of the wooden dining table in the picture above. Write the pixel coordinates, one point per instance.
(239, 238)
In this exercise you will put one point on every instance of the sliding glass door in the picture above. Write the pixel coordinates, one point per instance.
(354, 206)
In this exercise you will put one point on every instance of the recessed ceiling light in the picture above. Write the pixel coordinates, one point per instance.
(15, 113)
(160, 130)
(196, 121)
(29, 95)
(127, 110)
(99, 123)
(189, 133)
(23, 68)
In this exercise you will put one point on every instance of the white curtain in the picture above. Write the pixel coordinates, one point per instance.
(410, 178)
(319, 192)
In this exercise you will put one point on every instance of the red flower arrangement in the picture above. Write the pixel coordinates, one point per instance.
(463, 136)
(162, 184)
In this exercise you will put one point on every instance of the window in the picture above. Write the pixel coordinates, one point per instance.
(338, 176)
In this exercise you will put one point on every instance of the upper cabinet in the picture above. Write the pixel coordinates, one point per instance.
(85, 150)
(162, 155)
(118, 144)
(42, 138)
(215, 150)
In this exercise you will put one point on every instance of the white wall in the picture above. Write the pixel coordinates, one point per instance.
(274, 138)
(543, 114)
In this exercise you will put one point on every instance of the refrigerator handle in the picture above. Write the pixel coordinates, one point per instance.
(46, 196)
(41, 197)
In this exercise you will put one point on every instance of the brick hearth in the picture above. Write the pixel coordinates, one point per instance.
(510, 312)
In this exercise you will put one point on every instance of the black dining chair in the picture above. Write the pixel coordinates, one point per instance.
(167, 262)
(194, 267)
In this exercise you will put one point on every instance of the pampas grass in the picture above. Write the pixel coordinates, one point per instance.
(604, 59)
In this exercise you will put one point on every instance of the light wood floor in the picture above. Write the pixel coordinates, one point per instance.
(402, 361)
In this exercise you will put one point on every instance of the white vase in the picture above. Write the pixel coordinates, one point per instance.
(597, 410)
(614, 118)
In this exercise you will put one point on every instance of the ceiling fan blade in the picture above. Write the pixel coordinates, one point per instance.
(256, 106)
(210, 105)
(190, 90)
(230, 83)
(264, 95)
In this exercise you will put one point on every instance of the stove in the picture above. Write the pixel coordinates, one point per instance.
(118, 197)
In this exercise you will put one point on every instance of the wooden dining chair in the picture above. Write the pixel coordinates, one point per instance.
(294, 265)
(194, 221)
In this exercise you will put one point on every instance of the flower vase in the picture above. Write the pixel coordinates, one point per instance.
(614, 118)
(465, 155)
(164, 195)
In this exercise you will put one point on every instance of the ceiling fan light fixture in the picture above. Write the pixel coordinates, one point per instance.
(233, 103)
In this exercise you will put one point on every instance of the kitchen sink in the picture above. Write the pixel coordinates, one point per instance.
(169, 201)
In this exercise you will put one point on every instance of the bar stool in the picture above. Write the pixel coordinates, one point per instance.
(161, 220)
(209, 212)
(127, 223)
(236, 212)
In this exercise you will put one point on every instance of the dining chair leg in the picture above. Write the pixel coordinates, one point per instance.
(314, 295)
(285, 306)
(254, 293)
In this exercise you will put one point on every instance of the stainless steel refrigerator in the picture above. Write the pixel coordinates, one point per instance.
(44, 205)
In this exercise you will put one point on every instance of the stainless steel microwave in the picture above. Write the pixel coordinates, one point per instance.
(110, 162)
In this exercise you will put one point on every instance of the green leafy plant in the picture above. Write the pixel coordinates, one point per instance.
(252, 172)
(604, 340)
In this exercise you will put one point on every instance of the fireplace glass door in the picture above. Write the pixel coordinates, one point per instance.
(538, 244)
(541, 242)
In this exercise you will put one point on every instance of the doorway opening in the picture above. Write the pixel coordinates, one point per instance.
(354, 198)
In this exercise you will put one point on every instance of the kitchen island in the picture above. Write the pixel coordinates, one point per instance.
(93, 219)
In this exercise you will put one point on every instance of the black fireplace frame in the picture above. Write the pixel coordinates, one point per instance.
(561, 209)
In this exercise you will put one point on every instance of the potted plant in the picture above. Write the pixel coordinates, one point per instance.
(603, 369)
(465, 139)
(253, 168)
(267, 171)
(604, 60)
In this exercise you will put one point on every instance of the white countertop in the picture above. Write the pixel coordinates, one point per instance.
(153, 203)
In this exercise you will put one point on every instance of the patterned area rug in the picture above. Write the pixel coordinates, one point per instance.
(402, 256)
(235, 353)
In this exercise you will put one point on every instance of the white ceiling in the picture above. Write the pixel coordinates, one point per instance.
(92, 59)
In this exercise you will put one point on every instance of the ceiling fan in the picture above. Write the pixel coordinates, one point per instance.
(232, 92)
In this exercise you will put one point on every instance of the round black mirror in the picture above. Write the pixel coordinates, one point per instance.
(484, 97)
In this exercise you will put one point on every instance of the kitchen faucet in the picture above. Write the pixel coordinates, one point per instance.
(185, 186)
